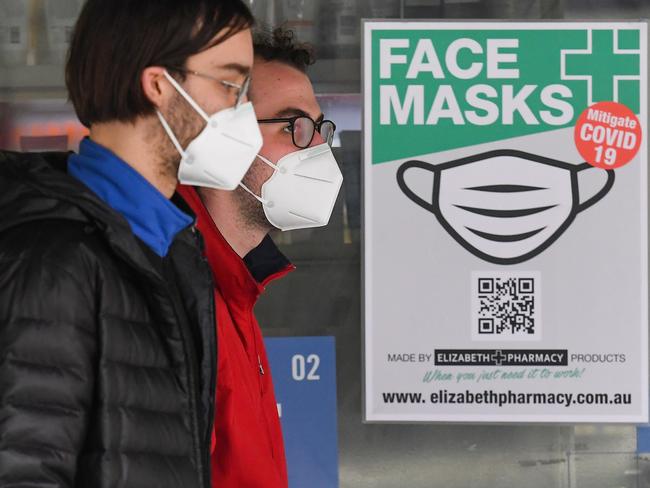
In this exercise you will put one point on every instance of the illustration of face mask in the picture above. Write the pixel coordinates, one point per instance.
(504, 206)
(223, 151)
(302, 191)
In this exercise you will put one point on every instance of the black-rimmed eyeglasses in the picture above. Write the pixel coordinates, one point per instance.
(303, 129)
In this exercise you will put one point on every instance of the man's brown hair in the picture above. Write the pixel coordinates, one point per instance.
(115, 40)
(281, 45)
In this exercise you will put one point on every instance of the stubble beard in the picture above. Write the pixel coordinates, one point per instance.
(251, 210)
(186, 125)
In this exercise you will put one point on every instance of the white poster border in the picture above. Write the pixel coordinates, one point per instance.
(368, 25)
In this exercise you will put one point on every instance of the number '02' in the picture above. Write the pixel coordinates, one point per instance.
(299, 367)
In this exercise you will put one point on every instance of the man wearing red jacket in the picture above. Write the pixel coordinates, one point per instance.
(293, 183)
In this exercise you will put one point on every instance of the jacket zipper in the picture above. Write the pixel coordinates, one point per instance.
(213, 350)
(213, 378)
(259, 361)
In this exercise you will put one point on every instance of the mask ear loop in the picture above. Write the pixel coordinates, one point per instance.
(269, 163)
(611, 176)
(260, 199)
(185, 95)
(189, 100)
(170, 133)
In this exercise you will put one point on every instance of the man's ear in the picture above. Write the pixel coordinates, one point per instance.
(155, 86)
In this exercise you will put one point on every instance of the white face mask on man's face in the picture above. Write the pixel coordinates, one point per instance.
(505, 206)
(302, 190)
(221, 154)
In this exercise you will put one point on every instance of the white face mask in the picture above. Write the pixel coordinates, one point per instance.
(224, 150)
(505, 206)
(302, 190)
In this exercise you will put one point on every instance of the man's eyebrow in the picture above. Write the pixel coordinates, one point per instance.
(239, 68)
(294, 112)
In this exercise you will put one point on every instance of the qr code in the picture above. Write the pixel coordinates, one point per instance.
(506, 306)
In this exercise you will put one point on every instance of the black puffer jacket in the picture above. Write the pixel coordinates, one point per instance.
(107, 352)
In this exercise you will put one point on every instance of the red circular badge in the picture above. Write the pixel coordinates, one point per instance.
(608, 135)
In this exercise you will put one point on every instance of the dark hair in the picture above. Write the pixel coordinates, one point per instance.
(115, 40)
(280, 45)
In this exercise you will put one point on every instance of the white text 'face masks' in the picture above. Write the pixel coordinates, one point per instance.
(505, 206)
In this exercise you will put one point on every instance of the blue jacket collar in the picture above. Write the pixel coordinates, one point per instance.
(152, 217)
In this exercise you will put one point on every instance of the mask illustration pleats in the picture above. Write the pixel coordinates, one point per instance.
(525, 203)
(503, 206)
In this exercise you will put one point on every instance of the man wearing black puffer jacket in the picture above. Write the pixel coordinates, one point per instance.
(107, 347)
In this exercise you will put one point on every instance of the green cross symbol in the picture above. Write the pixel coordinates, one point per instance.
(602, 64)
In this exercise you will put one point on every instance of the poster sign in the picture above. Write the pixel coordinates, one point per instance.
(505, 221)
(304, 378)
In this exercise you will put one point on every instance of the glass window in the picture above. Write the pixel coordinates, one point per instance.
(323, 296)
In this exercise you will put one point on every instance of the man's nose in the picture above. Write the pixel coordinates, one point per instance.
(317, 139)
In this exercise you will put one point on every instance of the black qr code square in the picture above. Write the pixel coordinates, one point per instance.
(486, 326)
(485, 285)
(526, 285)
(505, 305)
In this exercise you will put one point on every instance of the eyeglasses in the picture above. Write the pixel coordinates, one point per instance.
(242, 89)
(303, 129)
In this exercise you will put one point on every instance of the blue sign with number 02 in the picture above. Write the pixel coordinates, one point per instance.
(304, 376)
(643, 439)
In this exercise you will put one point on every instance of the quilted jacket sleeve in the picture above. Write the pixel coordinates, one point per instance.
(47, 351)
